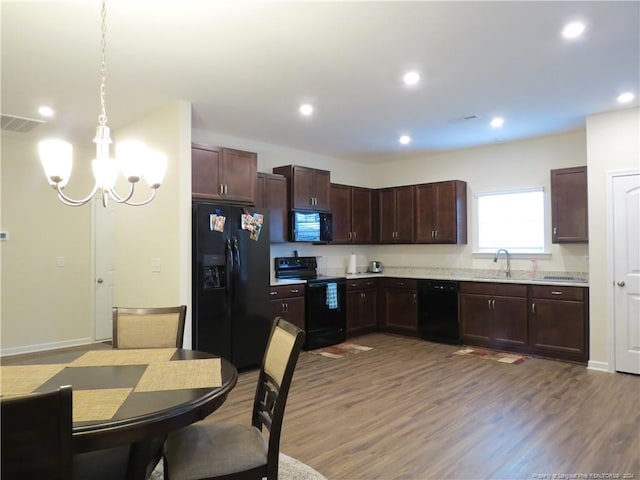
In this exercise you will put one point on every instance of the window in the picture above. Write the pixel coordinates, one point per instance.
(513, 220)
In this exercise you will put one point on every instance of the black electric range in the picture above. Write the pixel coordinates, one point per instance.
(325, 300)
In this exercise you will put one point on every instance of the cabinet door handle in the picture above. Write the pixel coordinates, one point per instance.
(555, 230)
(436, 233)
(294, 290)
(274, 293)
(533, 307)
(489, 304)
(282, 309)
(226, 189)
(349, 235)
(493, 302)
(286, 308)
(355, 235)
(414, 298)
(221, 189)
(555, 292)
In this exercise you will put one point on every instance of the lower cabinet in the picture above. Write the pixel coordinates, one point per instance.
(546, 320)
(399, 305)
(558, 321)
(494, 315)
(287, 301)
(362, 306)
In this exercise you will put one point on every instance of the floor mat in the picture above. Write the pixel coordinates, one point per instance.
(501, 357)
(341, 350)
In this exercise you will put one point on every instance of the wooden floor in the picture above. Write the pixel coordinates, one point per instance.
(410, 409)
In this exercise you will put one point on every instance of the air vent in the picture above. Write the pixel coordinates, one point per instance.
(12, 123)
(466, 118)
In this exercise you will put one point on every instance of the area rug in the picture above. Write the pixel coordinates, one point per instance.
(501, 357)
(341, 350)
(288, 469)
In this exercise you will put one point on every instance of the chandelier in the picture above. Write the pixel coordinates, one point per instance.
(134, 159)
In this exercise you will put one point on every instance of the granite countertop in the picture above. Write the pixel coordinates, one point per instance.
(570, 279)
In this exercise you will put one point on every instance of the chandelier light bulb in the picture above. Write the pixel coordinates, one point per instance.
(56, 157)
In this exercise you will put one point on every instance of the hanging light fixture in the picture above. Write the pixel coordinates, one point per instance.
(134, 158)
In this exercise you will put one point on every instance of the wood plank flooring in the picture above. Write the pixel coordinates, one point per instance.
(410, 409)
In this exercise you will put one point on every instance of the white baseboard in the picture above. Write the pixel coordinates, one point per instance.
(45, 346)
(598, 366)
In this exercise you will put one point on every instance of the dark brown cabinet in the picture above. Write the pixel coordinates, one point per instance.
(494, 315)
(569, 212)
(558, 321)
(441, 212)
(362, 306)
(399, 305)
(352, 210)
(223, 174)
(395, 220)
(271, 195)
(287, 301)
(308, 187)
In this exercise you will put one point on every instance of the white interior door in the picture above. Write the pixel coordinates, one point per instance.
(104, 228)
(626, 264)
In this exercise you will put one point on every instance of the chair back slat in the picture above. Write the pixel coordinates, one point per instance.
(148, 327)
(36, 434)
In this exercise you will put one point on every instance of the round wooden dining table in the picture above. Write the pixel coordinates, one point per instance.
(135, 397)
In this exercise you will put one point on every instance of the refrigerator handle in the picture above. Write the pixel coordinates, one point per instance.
(236, 252)
(229, 273)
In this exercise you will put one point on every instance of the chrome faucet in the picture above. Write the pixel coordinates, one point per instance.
(507, 270)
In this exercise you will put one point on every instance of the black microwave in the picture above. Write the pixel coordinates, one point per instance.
(310, 227)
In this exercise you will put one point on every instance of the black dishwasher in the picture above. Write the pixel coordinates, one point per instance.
(438, 311)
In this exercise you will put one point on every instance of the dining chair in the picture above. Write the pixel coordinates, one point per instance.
(161, 327)
(208, 449)
(35, 436)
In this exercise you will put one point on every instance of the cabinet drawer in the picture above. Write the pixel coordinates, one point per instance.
(287, 291)
(498, 289)
(557, 292)
(408, 283)
(361, 283)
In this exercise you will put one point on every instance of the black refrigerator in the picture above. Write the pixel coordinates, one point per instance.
(231, 278)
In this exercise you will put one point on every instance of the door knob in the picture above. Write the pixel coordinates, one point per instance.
(100, 280)
(621, 283)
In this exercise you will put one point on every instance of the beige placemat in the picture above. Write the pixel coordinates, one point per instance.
(23, 379)
(92, 405)
(205, 373)
(142, 356)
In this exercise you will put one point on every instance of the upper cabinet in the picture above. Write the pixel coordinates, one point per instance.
(395, 220)
(308, 187)
(441, 212)
(223, 174)
(271, 195)
(352, 209)
(569, 213)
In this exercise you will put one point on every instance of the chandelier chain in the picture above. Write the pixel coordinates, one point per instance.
(102, 118)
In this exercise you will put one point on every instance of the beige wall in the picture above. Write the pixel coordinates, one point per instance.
(43, 305)
(46, 306)
(613, 144)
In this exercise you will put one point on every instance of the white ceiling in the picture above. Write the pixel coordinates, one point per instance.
(246, 67)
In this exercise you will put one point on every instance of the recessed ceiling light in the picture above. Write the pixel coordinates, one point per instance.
(411, 78)
(497, 122)
(573, 30)
(45, 111)
(626, 97)
(405, 139)
(306, 109)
